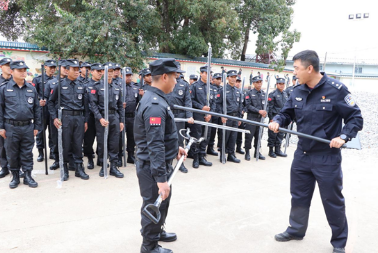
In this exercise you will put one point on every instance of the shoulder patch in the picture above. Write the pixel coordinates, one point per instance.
(349, 99)
(155, 121)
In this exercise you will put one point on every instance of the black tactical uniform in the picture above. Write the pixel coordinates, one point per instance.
(239, 136)
(234, 108)
(74, 102)
(214, 120)
(20, 115)
(37, 83)
(116, 114)
(157, 145)
(290, 89)
(276, 102)
(117, 80)
(84, 78)
(254, 102)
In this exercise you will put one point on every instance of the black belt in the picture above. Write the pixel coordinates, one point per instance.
(18, 122)
(73, 113)
(109, 111)
(233, 114)
(129, 115)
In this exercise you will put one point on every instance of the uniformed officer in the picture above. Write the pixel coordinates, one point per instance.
(4, 78)
(234, 108)
(181, 96)
(157, 143)
(239, 136)
(276, 102)
(192, 79)
(97, 71)
(320, 105)
(132, 100)
(254, 106)
(199, 101)
(290, 89)
(50, 68)
(115, 123)
(85, 67)
(146, 83)
(215, 87)
(117, 74)
(74, 101)
(20, 121)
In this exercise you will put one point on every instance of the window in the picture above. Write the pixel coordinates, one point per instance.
(358, 70)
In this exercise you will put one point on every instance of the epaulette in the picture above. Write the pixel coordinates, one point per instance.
(335, 83)
(155, 100)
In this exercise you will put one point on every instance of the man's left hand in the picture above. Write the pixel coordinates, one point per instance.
(85, 127)
(336, 143)
(191, 120)
(121, 127)
(181, 153)
(35, 132)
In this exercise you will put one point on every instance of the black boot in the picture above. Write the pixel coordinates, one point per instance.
(40, 155)
(119, 161)
(232, 158)
(271, 152)
(153, 248)
(28, 180)
(98, 162)
(203, 161)
(247, 155)
(79, 171)
(52, 156)
(195, 161)
(167, 237)
(22, 174)
(4, 171)
(114, 171)
(130, 158)
(65, 172)
(211, 151)
(279, 152)
(239, 150)
(55, 165)
(101, 173)
(183, 169)
(15, 180)
(90, 165)
(71, 166)
(261, 157)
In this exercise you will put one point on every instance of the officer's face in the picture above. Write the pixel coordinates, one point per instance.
(170, 81)
(301, 71)
(217, 81)
(63, 71)
(73, 73)
(231, 80)
(117, 72)
(6, 69)
(238, 84)
(204, 76)
(129, 78)
(110, 74)
(97, 74)
(148, 78)
(50, 70)
(280, 86)
(257, 85)
(19, 74)
(191, 81)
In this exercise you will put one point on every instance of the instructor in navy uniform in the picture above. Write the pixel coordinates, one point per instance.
(320, 105)
(157, 145)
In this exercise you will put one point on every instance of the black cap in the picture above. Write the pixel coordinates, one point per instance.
(110, 65)
(194, 77)
(50, 63)
(128, 71)
(203, 68)
(232, 73)
(238, 79)
(5, 61)
(217, 75)
(295, 78)
(62, 63)
(280, 80)
(162, 66)
(72, 63)
(85, 65)
(18, 65)
(117, 66)
(182, 76)
(256, 79)
(146, 72)
(97, 66)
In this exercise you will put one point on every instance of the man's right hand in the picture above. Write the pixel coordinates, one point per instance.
(57, 123)
(164, 189)
(3, 133)
(274, 126)
(263, 113)
(206, 108)
(103, 122)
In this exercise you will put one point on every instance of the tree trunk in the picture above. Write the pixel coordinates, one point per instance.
(246, 40)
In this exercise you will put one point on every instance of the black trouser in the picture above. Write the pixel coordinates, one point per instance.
(325, 169)
(220, 132)
(72, 136)
(275, 139)
(149, 192)
(113, 138)
(3, 154)
(230, 137)
(39, 137)
(197, 131)
(89, 136)
(130, 142)
(19, 146)
(254, 133)
(213, 131)
(239, 138)
(179, 126)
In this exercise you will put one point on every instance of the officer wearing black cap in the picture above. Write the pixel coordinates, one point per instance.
(4, 78)
(239, 138)
(234, 108)
(290, 89)
(181, 96)
(50, 68)
(117, 74)
(320, 105)
(85, 67)
(132, 100)
(97, 71)
(254, 106)
(199, 101)
(276, 102)
(192, 79)
(20, 121)
(74, 102)
(115, 123)
(156, 139)
(147, 79)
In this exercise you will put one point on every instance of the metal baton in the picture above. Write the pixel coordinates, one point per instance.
(124, 119)
(214, 125)
(106, 117)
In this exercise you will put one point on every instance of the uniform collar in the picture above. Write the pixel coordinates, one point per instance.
(13, 83)
(157, 91)
(321, 82)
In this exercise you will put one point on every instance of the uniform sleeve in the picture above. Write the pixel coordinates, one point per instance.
(195, 103)
(2, 107)
(120, 110)
(350, 112)
(154, 118)
(219, 101)
(286, 115)
(86, 106)
(188, 102)
(37, 114)
(270, 105)
(36, 83)
(51, 103)
(93, 100)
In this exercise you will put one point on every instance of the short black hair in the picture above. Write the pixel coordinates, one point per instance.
(308, 57)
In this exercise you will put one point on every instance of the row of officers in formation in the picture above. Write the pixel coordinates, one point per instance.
(23, 107)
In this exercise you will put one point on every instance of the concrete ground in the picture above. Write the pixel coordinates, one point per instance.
(223, 208)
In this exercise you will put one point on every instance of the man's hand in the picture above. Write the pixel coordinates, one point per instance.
(3, 133)
(224, 120)
(336, 143)
(121, 127)
(103, 122)
(85, 127)
(207, 118)
(263, 113)
(124, 105)
(35, 132)
(274, 126)
(57, 123)
(164, 189)
(42, 102)
(181, 153)
(239, 123)
(206, 108)
(191, 120)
